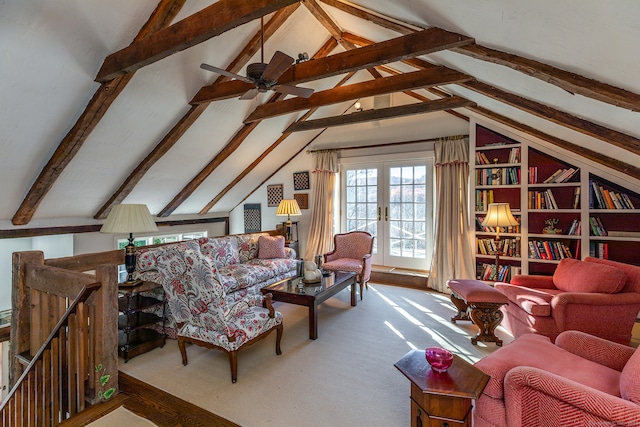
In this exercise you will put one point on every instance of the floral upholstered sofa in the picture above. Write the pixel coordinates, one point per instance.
(243, 263)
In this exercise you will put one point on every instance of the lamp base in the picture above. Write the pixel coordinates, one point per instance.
(130, 259)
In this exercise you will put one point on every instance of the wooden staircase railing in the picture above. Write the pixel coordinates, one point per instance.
(63, 355)
(51, 388)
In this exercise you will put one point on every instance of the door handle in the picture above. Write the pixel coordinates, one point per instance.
(386, 213)
(379, 213)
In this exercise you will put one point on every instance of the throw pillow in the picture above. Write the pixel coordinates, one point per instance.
(630, 380)
(573, 275)
(270, 247)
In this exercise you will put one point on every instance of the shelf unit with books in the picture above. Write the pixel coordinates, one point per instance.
(498, 177)
(614, 221)
(557, 197)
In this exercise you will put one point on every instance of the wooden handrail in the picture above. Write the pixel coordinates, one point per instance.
(49, 400)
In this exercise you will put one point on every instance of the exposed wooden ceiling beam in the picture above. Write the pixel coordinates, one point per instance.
(172, 137)
(95, 110)
(258, 160)
(382, 113)
(211, 21)
(595, 156)
(420, 43)
(360, 12)
(233, 144)
(571, 82)
(413, 80)
(558, 117)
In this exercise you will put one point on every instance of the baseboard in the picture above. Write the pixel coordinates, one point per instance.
(398, 277)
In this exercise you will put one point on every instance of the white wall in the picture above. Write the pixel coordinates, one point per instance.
(302, 162)
(52, 246)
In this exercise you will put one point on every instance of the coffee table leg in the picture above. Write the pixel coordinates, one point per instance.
(313, 321)
(354, 299)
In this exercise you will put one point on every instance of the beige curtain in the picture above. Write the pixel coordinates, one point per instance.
(453, 253)
(321, 226)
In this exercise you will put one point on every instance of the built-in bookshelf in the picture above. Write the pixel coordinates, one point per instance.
(566, 208)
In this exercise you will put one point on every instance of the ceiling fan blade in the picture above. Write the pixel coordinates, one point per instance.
(250, 94)
(225, 73)
(302, 92)
(280, 62)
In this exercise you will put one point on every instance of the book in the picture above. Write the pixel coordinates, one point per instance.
(554, 176)
(576, 198)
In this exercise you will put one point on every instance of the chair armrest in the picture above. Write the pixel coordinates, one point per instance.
(266, 303)
(573, 310)
(366, 267)
(595, 349)
(244, 304)
(527, 388)
(533, 281)
(329, 256)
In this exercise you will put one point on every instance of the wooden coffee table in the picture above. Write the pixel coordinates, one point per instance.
(312, 294)
(441, 399)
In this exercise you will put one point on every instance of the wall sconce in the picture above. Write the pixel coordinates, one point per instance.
(302, 57)
(357, 106)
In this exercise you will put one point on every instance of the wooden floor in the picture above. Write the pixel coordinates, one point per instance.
(157, 406)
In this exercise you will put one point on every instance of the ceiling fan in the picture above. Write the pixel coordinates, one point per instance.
(265, 76)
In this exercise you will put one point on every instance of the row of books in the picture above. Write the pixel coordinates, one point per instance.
(514, 157)
(597, 228)
(541, 200)
(512, 229)
(599, 250)
(575, 228)
(498, 176)
(561, 175)
(602, 198)
(483, 198)
(503, 273)
(505, 247)
(548, 249)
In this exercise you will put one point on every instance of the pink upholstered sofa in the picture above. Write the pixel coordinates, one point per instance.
(596, 296)
(581, 380)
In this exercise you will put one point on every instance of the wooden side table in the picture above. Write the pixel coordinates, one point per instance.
(441, 399)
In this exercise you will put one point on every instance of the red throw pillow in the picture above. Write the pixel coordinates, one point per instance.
(573, 275)
(270, 247)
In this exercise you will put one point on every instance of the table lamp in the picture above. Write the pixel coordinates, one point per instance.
(287, 208)
(128, 218)
(499, 215)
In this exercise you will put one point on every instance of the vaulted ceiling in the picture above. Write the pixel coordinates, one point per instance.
(105, 102)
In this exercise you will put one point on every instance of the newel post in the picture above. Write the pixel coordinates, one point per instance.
(106, 329)
(20, 309)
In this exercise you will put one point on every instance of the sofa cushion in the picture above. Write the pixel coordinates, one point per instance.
(222, 250)
(248, 246)
(270, 247)
(573, 275)
(536, 302)
(630, 379)
(146, 257)
(538, 352)
(633, 272)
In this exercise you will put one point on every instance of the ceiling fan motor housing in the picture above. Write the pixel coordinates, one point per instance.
(255, 70)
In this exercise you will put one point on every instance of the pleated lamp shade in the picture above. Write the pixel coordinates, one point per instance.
(129, 218)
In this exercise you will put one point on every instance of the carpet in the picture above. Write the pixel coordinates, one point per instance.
(121, 417)
(344, 378)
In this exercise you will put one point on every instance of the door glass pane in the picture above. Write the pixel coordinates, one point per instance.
(407, 211)
(362, 201)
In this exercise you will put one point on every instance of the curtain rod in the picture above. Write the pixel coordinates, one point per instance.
(388, 144)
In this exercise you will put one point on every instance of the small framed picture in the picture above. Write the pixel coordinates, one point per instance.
(301, 181)
(302, 199)
(274, 194)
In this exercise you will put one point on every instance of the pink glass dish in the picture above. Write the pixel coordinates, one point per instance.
(439, 358)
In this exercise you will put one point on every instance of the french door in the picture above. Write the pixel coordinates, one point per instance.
(392, 200)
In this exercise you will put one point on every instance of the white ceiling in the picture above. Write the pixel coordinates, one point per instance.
(51, 52)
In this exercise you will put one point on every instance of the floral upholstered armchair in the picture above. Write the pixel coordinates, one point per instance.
(202, 312)
(351, 252)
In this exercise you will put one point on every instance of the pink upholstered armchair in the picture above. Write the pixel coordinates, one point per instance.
(351, 252)
(596, 296)
(581, 380)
